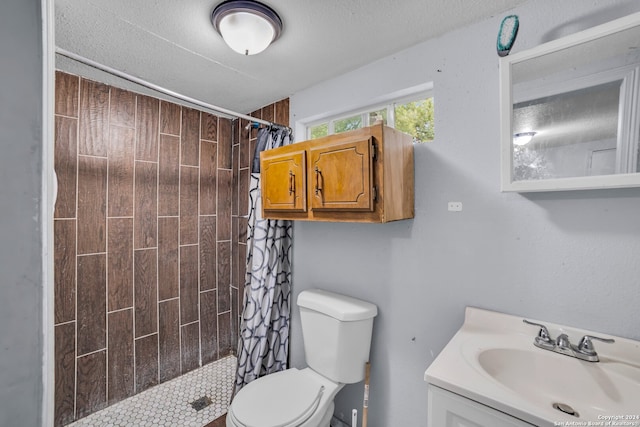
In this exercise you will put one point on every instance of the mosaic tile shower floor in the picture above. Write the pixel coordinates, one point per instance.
(169, 404)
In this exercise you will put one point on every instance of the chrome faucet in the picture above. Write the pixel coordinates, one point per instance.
(583, 351)
(543, 340)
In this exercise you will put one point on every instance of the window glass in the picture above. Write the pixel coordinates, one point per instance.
(319, 131)
(347, 124)
(374, 116)
(416, 118)
(412, 116)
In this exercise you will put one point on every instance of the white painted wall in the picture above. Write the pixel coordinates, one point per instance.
(567, 257)
(21, 227)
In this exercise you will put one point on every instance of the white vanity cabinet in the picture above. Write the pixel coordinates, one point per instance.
(490, 374)
(448, 409)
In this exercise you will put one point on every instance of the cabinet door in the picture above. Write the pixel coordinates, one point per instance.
(447, 409)
(341, 176)
(283, 181)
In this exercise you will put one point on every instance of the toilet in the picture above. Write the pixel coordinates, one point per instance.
(337, 338)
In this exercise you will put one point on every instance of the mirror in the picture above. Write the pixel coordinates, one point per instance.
(570, 111)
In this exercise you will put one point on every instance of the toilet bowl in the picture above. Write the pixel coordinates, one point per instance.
(336, 331)
(291, 398)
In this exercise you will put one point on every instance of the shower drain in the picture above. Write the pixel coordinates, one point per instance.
(201, 403)
(563, 407)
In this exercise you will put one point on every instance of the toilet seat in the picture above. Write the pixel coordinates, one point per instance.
(283, 399)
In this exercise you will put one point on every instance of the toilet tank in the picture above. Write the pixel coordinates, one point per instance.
(337, 334)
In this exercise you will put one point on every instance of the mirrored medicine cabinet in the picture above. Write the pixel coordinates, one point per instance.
(570, 111)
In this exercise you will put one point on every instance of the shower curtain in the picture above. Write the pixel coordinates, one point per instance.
(263, 346)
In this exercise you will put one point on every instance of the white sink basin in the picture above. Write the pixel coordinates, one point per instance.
(543, 377)
(492, 360)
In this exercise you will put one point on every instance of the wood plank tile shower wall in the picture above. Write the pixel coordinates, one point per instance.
(149, 246)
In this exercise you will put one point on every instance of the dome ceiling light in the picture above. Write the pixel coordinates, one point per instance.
(248, 27)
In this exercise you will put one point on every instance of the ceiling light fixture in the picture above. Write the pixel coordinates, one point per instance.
(523, 138)
(248, 27)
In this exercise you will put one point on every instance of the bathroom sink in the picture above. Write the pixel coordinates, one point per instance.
(492, 360)
(590, 389)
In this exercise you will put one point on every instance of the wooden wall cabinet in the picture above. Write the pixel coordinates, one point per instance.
(365, 175)
(289, 170)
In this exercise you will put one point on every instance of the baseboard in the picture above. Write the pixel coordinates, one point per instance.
(335, 422)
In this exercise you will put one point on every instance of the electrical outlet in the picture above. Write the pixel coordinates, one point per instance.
(454, 206)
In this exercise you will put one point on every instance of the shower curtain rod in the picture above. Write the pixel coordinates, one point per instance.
(160, 89)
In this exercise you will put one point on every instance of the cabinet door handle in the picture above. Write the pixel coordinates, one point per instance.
(318, 172)
(292, 178)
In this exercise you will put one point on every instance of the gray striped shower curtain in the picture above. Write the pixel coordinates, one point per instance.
(263, 346)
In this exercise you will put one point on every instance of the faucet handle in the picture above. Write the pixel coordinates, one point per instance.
(585, 346)
(562, 341)
(543, 339)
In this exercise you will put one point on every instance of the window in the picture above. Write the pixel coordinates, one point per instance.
(416, 118)
(411, 115)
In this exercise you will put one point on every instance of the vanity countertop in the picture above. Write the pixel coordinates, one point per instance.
(492, 360)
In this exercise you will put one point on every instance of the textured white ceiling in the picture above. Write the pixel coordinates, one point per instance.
(172, 43)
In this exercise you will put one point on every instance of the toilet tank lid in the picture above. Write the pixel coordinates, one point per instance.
(340, 307)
